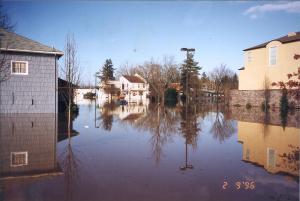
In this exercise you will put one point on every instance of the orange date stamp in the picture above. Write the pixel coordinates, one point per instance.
(239, 185)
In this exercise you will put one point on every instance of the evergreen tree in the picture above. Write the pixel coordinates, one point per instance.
(235, 81)
(107, 72)
(189, 76)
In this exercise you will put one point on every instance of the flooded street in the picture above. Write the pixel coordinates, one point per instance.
(149, 152)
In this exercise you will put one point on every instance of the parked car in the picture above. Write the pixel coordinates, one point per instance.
(123, 102)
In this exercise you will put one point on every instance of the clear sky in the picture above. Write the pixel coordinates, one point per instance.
(135, 31)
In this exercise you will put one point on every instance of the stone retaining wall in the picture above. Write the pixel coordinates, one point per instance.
(256, 97)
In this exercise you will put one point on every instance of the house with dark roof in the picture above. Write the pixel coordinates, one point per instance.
(30, 75)
(264, 64)
(134, 88)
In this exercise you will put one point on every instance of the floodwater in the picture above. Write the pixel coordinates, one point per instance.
(151, 153)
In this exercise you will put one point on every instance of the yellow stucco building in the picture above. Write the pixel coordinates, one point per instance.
(270, 62)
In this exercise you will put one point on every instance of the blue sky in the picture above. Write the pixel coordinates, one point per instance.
(132, 31)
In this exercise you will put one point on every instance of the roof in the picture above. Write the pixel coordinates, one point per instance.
(284, 39)
(13, 42)
(133, 79)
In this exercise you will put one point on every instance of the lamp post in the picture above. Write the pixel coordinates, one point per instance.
(186, 165)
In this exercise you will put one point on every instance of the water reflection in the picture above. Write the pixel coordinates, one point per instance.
(155, 152)
(270, 144)
(28, 147)
(275, 149)
(223, 127)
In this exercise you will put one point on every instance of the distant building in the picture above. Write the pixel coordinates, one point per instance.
(108, 91)
(134, 88)
(80, 93)
(31, 86)
(264, 64)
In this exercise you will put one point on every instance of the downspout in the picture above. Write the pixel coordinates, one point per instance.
(55, 113)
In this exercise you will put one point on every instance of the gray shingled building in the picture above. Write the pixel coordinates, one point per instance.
(31, 75)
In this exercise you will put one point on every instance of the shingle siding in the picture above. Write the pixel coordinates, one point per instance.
(17, 93)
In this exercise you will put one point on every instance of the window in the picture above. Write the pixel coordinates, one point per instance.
(249, 57)
(272, 55)
(18, 159)
(19, 67)
(271, 158)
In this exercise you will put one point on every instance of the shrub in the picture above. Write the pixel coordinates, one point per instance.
(248, 106)
(171, 94)
(89, 95)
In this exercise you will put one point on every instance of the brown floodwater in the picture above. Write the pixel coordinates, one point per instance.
(151, 153)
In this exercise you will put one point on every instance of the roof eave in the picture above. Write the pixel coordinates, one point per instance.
(255, 47)
(58, 53)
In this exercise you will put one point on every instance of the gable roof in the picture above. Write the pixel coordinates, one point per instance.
(283, 39)
(13, 42)
(133, 79)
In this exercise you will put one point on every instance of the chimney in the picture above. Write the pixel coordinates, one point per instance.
(291, 34)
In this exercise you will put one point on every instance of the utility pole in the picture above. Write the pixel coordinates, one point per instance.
(188, 50)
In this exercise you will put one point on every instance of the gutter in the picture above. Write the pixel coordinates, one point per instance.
(58, 53)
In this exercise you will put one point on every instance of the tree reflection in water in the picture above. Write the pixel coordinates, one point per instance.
(70, 163)
(161, 123)
(222, 128)
(106, 118)
(164, 122)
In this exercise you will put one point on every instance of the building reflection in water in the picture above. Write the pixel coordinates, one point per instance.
(28, 146)
(270, 145)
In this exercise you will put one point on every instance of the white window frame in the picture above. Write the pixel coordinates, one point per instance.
(11, 67)
(20, 152)
(276, 58)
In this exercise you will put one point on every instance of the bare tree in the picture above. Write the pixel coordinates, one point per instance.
(71, 72)
(5, 20)
(222, 128)
(126, 69)
(157, 74)
(6, 24)
(221, 77)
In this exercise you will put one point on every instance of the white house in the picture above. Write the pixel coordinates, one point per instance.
(102, 95)
(134, 88)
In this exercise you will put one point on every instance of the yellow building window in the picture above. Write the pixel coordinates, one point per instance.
(273, 55)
